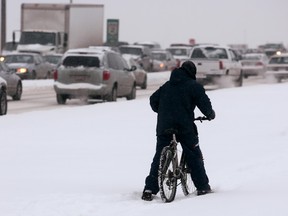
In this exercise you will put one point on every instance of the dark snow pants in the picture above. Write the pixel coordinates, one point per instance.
(194, 160)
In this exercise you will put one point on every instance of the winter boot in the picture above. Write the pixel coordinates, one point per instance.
(147, 195)
(204, 191)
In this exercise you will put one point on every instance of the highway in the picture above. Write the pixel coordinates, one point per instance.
(37, 98)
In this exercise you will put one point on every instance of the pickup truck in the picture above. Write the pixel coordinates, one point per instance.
(216, 65)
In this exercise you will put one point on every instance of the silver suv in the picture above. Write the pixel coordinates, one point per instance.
(94, 73)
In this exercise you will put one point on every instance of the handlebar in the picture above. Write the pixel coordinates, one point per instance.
(201, 118)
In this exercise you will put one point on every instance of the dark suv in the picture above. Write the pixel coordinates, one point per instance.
(141, 54)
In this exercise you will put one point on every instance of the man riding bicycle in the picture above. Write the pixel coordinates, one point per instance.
(175, 102)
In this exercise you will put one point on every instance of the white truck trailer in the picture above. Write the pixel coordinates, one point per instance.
(55, 28)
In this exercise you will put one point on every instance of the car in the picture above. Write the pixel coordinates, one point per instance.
(151, 44)
(109, 48)
(14, 82)
(277, 67)
(91, 73)
(29, 65)
(180, 52)
(54, 60)
(139, 73)
(140, 53)
(3, 97)
(254, 64)
(271, 49)
(163, 60)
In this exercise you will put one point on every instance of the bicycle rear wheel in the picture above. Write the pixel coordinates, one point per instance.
(186, 181)
(166, 175)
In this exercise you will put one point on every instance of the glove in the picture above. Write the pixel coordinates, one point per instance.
(211, 116)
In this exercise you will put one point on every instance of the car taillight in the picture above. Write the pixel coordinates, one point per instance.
(55, 75)
(259, 64)
(106, 75)
(178, 63)
(221, 66)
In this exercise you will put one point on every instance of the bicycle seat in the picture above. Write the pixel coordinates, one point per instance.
(171, 131)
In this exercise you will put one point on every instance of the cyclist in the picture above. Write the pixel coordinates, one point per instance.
(175, 102)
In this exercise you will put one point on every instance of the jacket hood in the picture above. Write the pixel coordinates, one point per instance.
(179, 76)
(190, 68)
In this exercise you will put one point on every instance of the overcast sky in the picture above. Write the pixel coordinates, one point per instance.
(252, 22)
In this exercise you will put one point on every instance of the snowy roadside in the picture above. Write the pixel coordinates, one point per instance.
(92, 160)
(154, 78)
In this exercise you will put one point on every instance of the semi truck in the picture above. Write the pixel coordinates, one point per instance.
(55, 28)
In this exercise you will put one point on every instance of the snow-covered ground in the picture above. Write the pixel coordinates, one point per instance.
(92, 160)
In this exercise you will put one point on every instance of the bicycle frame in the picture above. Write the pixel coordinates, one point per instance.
(178, 164)
(171, 169)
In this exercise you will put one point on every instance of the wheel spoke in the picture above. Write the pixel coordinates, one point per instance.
(166, 177)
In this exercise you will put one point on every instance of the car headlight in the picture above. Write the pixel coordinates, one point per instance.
(22, 70)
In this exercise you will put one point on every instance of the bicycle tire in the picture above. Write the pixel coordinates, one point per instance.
(166, 175)
(186, 181)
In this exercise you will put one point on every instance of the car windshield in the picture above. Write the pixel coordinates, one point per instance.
(131, 50)
(159, 56)
(209, 52)
(251, 57)
(19, 59)
(279, 60)
(53, 59)
(273, 46)
(42, 38)
(85, 61)
(178, 52)
(4, 66)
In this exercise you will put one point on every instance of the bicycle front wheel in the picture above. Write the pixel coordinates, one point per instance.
(166, 175)
(186, 181)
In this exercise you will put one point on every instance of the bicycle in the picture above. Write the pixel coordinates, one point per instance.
(171, 170)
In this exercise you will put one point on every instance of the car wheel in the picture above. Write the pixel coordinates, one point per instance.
(3, 103)
(151, 69)
(33, 75)
(239, 81)
(144, 84)
(48, 75)
(132, 94)
(278, 79)
(113, 95)
(18, 93)
(61, 99)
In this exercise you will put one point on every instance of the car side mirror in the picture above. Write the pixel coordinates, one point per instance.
(133, 68)
(11, 71)
(13, 38)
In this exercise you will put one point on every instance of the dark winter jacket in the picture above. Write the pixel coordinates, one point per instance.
(176, 100)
